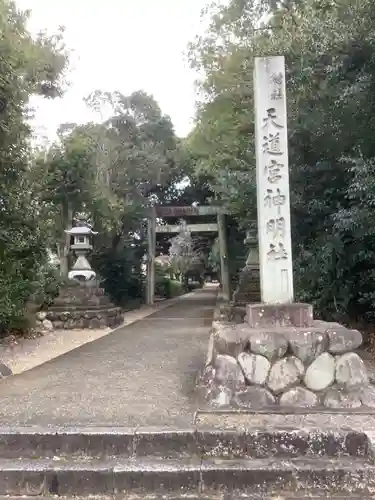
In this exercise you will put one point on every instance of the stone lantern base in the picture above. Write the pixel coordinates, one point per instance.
(83, 305)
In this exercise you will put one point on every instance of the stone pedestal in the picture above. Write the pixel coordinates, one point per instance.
(83, 305)
(281, 356)
(279, 315)
(248, 288)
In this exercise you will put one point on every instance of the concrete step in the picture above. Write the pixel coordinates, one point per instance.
(159, 476)
(32, 442)
(281, 495)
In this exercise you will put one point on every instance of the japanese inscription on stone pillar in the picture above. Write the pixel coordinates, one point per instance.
(275, 246)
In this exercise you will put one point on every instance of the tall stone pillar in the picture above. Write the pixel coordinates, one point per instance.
(274, 233)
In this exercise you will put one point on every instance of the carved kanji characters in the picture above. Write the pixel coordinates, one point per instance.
(276, 227)
(273, 171)
(277, 252)
(271, 118)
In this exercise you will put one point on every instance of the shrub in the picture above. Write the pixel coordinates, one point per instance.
(175, 288)
(167, 288)
(120, 274)
(21, 255)
(47, 285)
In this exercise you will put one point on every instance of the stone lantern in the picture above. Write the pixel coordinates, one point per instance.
(251, 240)
(82, 234)
(248, 288)
(82, 302)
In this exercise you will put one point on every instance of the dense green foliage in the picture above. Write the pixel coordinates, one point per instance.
(109, 170)
(28, 66)
(114, 170)
(329, 49)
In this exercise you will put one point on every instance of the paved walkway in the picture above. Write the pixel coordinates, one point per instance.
(141, 374)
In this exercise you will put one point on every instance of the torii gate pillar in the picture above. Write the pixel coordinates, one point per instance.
(151, 239)
(225, 279)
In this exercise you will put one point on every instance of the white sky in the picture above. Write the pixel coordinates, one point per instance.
(123, 45)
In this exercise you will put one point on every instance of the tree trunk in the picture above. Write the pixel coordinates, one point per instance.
(64, 244)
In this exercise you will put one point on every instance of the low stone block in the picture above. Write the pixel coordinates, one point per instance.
(342, 340)
(299, 397)
(321, 373)
(351, 371)
(266, 315)
(228, 372)
(307, 344)
(268, 344)
(254, 397)
(285, 373)
(254, 367)
(340, 398)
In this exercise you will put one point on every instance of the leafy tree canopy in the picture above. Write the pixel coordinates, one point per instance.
(329, 48)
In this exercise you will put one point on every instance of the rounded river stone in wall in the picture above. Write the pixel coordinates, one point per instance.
(321, 373)
(285, 373)
(228, 372)
(41, 315)
(307, 344)
(229, 338)
(268, 344)
(339, 398)
(254, 367)
(341, 339)
(47, 324)
(351, 371)
(299, 397)
(368, 396)
(254, 397)
(220, 396)
(5, 371)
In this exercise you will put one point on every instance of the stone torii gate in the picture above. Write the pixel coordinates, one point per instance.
(187, 211)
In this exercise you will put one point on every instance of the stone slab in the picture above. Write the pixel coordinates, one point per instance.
(279, 315)
(105, 442)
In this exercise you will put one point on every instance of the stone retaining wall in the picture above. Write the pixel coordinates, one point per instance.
(86, 318)
(83, 305)
(289, 366)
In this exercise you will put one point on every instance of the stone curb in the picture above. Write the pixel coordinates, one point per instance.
(201, 443)
(144, 311)
(48, 477)
(273, 495)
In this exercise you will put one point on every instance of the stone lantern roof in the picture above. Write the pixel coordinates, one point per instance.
(80, 230)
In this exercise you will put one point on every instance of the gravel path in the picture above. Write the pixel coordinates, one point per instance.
(141, 374)
(23, 353)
